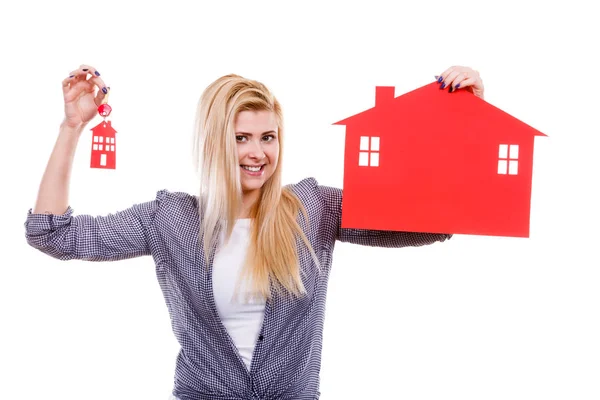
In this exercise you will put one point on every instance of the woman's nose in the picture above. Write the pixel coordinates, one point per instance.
(256, 151)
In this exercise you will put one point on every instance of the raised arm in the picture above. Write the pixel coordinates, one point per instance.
(50, 225)
(80, 107)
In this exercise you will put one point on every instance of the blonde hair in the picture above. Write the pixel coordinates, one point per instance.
(272, 252)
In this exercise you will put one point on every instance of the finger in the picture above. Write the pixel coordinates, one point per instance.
(465, 83)
(89, 69)
(82, 72)
(98, 83)
(76, 89)
(446, 83)
(79, 81)
(444, 74)
(101, 95)
(66, 84)
(474, 86)
(459, 79)
(80, 75)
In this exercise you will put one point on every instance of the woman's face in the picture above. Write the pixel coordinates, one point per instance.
(258, 147)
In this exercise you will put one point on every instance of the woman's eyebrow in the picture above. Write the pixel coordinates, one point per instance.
(246, 133)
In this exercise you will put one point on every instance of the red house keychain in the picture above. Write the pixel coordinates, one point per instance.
(103, 140)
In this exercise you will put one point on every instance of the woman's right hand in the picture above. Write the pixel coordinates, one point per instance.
(81, 104)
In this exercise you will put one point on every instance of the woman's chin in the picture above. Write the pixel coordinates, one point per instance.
(248, 187)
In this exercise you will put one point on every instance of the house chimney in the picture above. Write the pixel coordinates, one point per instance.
(383, 95)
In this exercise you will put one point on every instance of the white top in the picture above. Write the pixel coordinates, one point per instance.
(242, 320)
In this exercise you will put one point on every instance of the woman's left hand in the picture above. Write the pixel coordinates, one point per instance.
(457, 77)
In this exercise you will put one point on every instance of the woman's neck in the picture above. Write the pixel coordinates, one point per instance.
(248, 201)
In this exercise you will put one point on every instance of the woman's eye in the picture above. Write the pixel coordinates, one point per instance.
(266, 138)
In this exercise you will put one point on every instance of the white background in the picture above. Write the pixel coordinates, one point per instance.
(473, 318)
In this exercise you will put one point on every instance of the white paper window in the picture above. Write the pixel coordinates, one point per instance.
(503, 152)
(95, 139)
(364, 143)
(101, 139)
(502, 166)
(95, 147)
(375, 143)
(508, 162)
(369, 151)
(99, 147)
(374, 160)
(363, 159)
(112, 147)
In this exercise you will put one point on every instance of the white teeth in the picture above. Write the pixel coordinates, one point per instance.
(253, 169)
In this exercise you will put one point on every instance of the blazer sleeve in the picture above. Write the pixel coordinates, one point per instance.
(111, 237)
(332, 199)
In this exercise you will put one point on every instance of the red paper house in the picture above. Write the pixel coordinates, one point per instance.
(440, 162)
(104, 148)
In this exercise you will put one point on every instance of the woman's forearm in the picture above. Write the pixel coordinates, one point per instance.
(53, 194)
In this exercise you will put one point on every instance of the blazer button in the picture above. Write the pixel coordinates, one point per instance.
(260, 337)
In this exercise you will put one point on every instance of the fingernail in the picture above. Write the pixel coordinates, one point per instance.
(97, 73)
(441, 78)
(85, 69)
(104, 90)
(71, 76)
(436, 77)
(457, 86)
(443, 85)
(451, 89)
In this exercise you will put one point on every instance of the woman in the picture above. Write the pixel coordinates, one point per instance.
(243, 228)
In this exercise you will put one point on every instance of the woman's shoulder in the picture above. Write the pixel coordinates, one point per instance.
(310, 186)
(170, 201)
(167, 195)
(311, 193)
(304, 189)
(170, 195)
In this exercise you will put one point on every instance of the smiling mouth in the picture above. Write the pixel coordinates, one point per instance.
(253, 169)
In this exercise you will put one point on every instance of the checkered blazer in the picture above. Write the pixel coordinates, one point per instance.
(287, 357)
